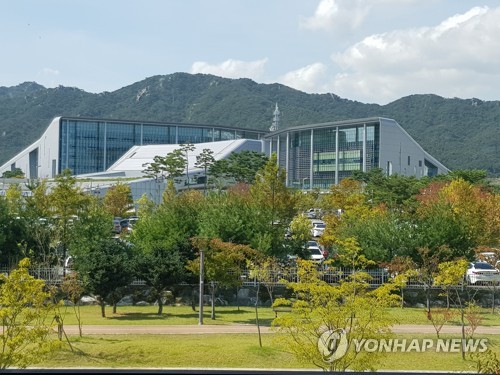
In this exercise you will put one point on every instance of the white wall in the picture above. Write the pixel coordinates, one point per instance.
(48, 150)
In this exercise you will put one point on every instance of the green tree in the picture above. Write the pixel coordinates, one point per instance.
(67, 201)
(160, 268)
(16, 173)
(41, 236)
(230, 216)
(268, 271)
(300, 228)
(12, 232)
(105, 267)
(74, 290)
(349, 311)
(451, 275)
(186, 148)
(161, 240)
(383, 234)
(223, 263)
(27, 319)
(205, 160)
(170, 166)
(458, 215)
(394, 191)
(241, 166)
(275, 203)
(14, 199)
(473, 176)
(118, 199)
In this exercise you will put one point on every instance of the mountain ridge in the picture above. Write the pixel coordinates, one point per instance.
(461, 133)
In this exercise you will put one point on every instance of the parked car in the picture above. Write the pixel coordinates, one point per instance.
(316, 255)
(482, 272)
(313, 213)
(312, 243)
(318, 229)
(321, 247)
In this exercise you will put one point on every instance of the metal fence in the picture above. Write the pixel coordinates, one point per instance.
(279, 276)
(331, 275)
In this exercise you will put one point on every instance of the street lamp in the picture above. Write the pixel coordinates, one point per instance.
(202, 286)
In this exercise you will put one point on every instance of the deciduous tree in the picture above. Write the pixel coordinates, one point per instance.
(105, 267)
(223, 263)
(27, 317)
(349, 311)
(118, 199)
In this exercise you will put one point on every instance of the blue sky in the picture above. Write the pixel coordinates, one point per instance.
(372, 51)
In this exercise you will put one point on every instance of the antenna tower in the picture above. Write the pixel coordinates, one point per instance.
(276, 119)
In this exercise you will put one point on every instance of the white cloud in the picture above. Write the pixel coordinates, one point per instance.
(307, 79)
(232, 68)
(459, 57)
(337, 15)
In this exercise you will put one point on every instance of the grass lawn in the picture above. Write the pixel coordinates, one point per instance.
(223, 351)
(177, 315)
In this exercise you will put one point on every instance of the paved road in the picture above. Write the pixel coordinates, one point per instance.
(238, 328)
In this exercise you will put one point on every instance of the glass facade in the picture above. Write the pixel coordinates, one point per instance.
(321, 156)
(89, 145)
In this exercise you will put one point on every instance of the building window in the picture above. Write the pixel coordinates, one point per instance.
(408, 159)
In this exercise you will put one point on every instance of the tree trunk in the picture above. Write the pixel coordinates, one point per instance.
(270, 292)
(237, 299)
(193, 299)
(78, 314)
(462, 320)
(212, 290)
(103, 307)
(160, 305)
(114, 307)
(257, 313)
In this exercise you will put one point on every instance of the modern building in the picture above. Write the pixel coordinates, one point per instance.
(314, 156)
(320, 155)
(86, 145)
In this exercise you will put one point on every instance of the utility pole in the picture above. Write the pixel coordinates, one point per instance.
(202, 286)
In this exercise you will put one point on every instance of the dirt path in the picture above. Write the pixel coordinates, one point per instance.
(238, 328)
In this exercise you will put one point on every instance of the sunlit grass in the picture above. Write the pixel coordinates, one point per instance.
(226, 351)
(163, 351)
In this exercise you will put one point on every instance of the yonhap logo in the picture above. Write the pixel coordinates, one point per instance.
(333, 345)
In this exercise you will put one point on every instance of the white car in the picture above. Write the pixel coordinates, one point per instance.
(316, 255)
(482, 272)
(318, 229)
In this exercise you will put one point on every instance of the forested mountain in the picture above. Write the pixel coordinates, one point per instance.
(461, 133)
